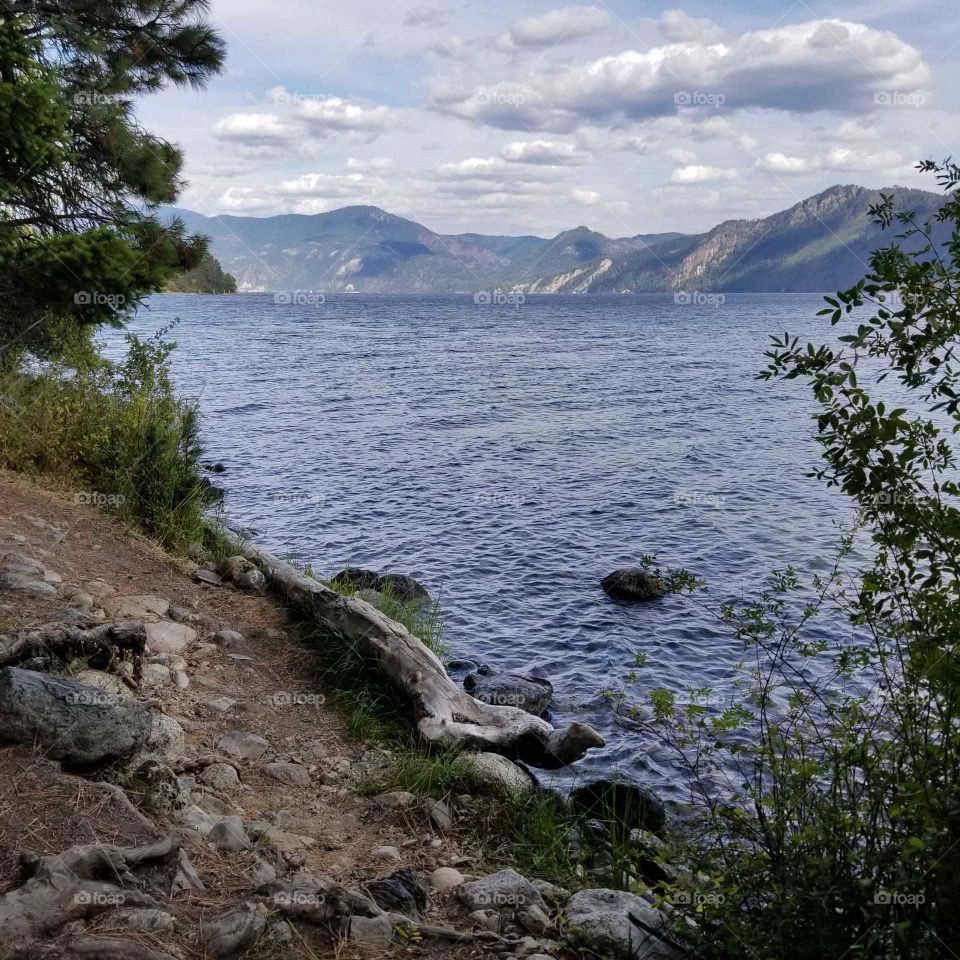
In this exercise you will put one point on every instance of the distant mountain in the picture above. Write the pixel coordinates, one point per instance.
(819, 244)
(206, 277)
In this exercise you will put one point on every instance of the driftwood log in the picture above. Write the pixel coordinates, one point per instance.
(81, 882)
(445, 713)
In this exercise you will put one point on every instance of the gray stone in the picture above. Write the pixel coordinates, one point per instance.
(263, 874)
(622, 924)
(633, 584)
(221, 704)
(445, 878)
(252, 580)
(164, 636)
(37, 588)
(229, 834)
(167, 738)
(155, 675)
(82, 601)
(243, 746)
(492, 773)
(181, 680)
(140, 607)
(220, 777)
(531, 694)
(534, 920)
(440, 815)
(293, 774)
(396, 800)
(209, 577)
(234, 566)
(196, 819)
(181, 615)
(551, 893)
(78, 724)
(104, 681)
(402, 587)
(230, 640)
(386, 853)
(505, 889)
(186, 879)
(235, 931)
(372, 930)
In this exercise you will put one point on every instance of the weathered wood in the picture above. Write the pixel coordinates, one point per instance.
(445, 713)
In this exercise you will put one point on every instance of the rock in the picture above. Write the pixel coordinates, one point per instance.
(164, 636)
(141, 607)
(75, 723)
(209, 577)
(622, 924)
(243, 746)
(235, 931)
(488, 919)
(509, 690)
(357, 578)
(401, 892)
(232, 567)
(22, 563)
(621, 802)
(146, 920)
(104, 681)
(37, 588)
(82, 601)
(374, 597)
(220, 777)
(551, 893)
(633, 584)
(196, 819)
(402, 588)
(167, 738)
(534, 920)
(230, 640)
(155, 675)
(221, 704)
(158, 787)
(372, 930)
(181, 680)
(186, 879)
(494, 774)
(263, 874)
(228, 834)
(386, 853)
(445, 878)
(293, 774)
(181, 615)
(252, 580)
(462, 666)
(501, 890)
(439, 813)
(396, 800)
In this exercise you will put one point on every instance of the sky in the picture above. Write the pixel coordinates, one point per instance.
(535, 117)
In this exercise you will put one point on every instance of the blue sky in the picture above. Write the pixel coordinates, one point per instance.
(533, 117)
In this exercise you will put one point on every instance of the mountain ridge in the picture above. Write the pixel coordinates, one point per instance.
(823, 242)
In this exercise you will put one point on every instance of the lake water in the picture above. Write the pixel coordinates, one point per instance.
(510, 456)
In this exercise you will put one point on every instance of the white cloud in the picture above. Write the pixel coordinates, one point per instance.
(701, 173)
(550, 152)
(781, 163)
(558, 26)
(835, 159)
(585, 198)
(256, 128)
(324, 114)
(679, 27)
(822, 65)
(474, 168)
(681, 156)
(373, 164)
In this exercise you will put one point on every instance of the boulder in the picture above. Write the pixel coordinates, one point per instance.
(531, 694)
(402, 588)
(75, 723)
(491, 773)
(621, 802)
(504, 890)
(357, 578)
(633, 584)
(620, 924)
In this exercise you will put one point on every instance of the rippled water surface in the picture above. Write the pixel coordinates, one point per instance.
(511, 457)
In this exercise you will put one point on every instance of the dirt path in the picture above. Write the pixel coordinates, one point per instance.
(254, 682)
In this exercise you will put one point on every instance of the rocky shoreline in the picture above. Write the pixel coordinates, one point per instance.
(224, 804)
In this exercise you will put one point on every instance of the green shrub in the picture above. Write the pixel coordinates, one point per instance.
(115, 431)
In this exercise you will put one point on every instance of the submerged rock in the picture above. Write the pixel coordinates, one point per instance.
(397, 586)
(633, 584)
(532, 694)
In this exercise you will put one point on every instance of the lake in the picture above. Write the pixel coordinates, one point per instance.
(510, 455)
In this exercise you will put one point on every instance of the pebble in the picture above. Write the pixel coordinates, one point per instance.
(387, 853)
(445, 878)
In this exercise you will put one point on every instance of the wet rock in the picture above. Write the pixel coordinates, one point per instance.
(620, 924)
(357, 578)
(445, 878)
(490, 773)
(220, 777)
(293, 774)
(402, 892)
(633, 584)
(243, 746)
(164, 636)
(402, 588)
(80, 725)
(235, 931)
(228, 834)
(531, 694)
(620, 802)
(505, 889)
